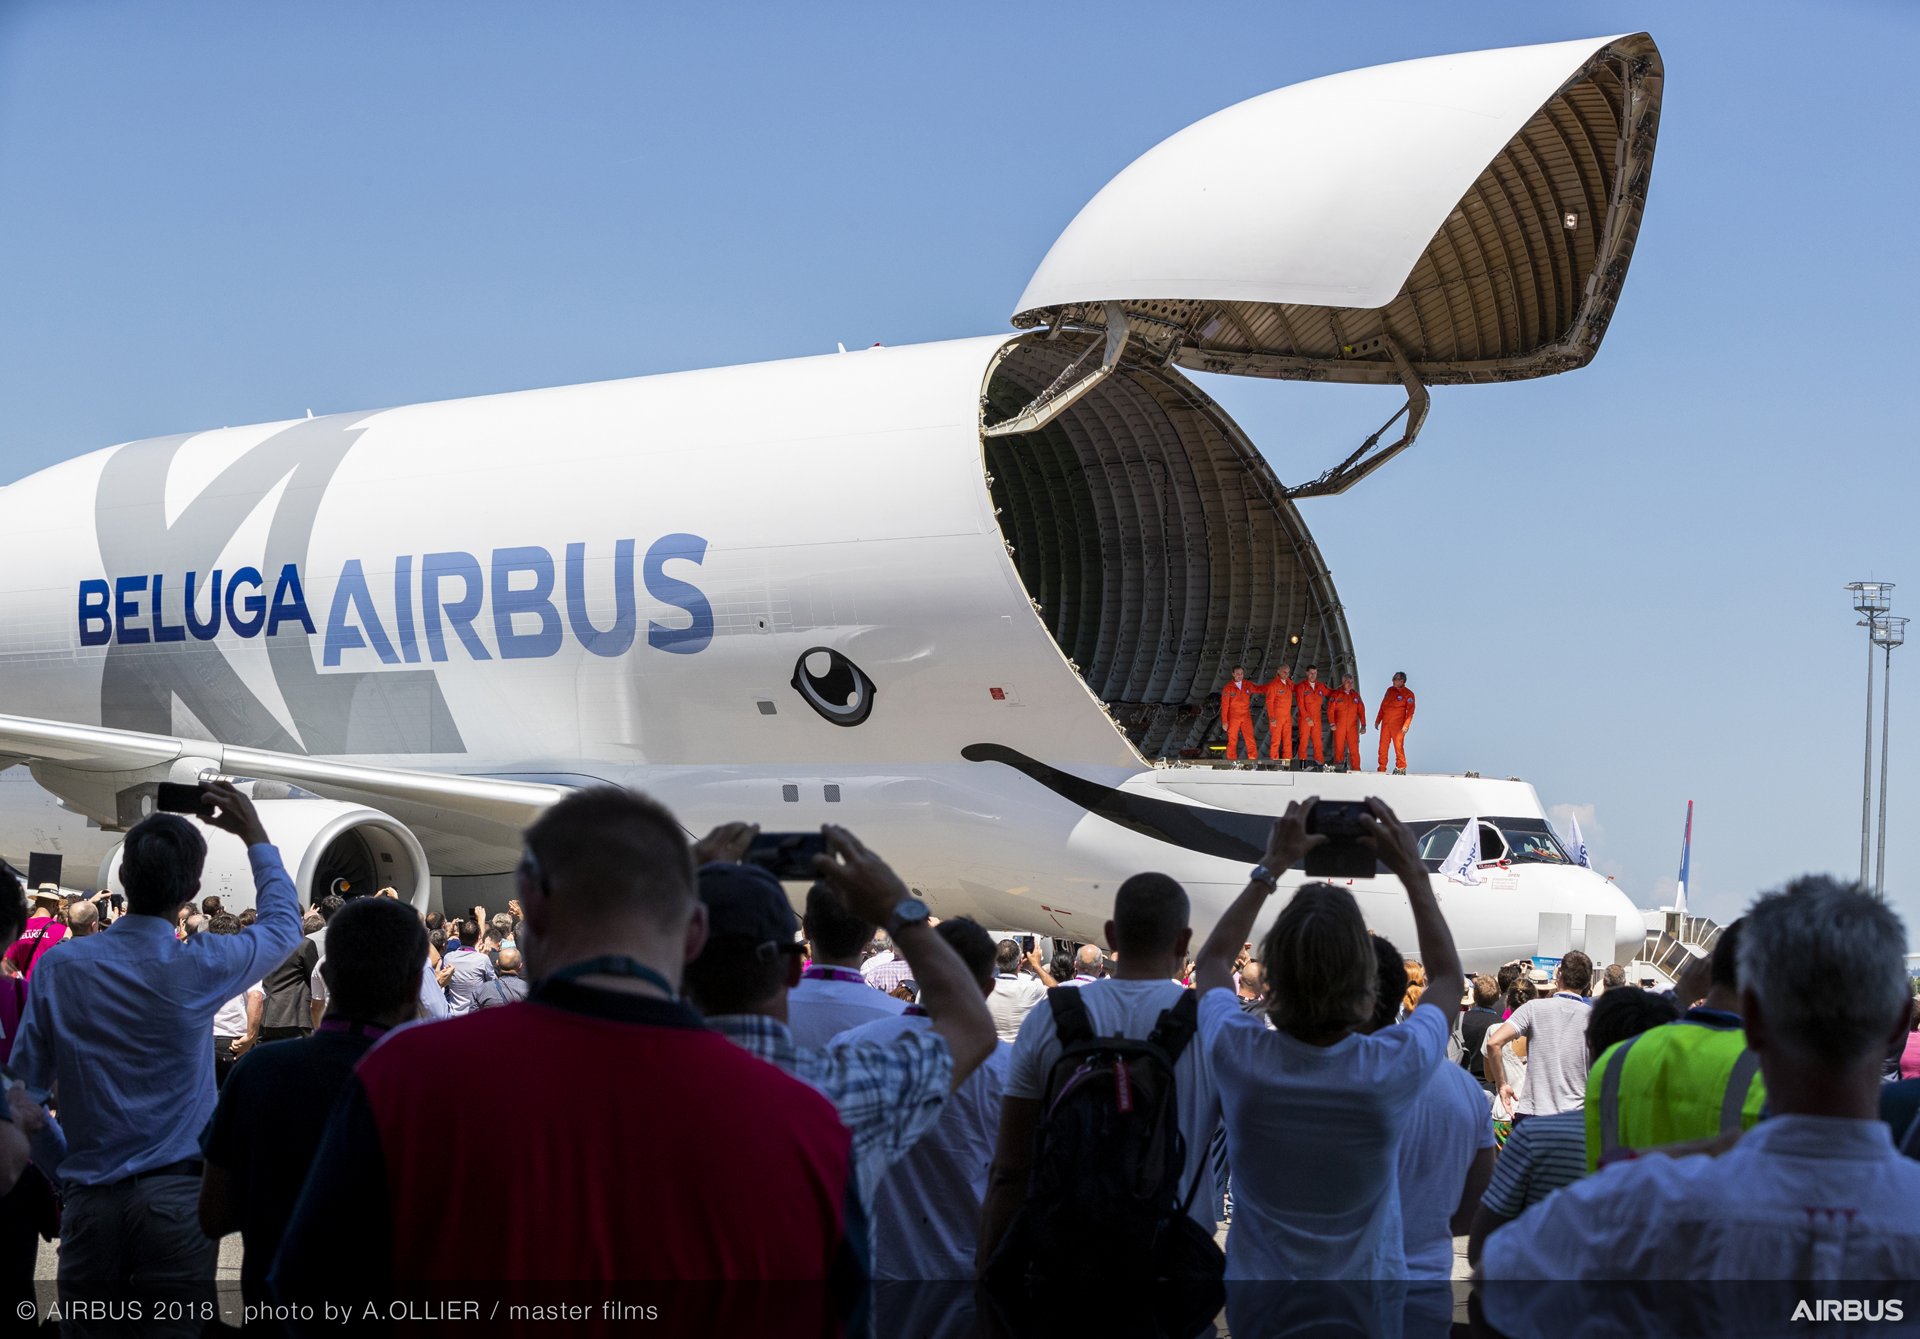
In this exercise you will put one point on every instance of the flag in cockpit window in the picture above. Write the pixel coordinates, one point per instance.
(1462, 864)
(1576, 843)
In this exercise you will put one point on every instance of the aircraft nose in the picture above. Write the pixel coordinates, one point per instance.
(1629, 925)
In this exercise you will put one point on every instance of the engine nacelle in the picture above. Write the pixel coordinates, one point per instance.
(322, 842)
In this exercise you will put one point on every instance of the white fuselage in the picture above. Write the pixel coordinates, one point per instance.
(622, 582)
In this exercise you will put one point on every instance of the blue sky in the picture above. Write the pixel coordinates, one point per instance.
(1623, 584)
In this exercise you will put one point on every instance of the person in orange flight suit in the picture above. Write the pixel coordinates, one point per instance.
(1236, 713)
(1348, 712)
(1393, 718)
(1309, 695)
(1279, 691)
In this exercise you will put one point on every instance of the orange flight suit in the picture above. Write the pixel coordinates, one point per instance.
(1392, 720)
(1236, 713)
(1279, 691)
(1308, 698)
(1346, 709)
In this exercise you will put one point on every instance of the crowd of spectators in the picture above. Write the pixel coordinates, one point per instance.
(707, 1085)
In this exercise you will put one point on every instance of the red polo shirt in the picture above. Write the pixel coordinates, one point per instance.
(641, 1146)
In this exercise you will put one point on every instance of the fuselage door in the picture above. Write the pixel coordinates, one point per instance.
(1455, 219)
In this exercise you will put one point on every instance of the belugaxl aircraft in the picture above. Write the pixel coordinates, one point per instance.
(974, 599)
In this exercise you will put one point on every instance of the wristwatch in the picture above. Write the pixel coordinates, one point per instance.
(1261, 874)
(910, 912)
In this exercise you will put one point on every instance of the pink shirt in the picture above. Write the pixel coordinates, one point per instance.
(26, 950)
(1910, 1057)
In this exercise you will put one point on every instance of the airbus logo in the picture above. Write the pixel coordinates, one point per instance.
(437, 601)
(1828, 1309)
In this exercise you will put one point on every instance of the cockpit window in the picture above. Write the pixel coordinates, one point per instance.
(1531, 842)
(1435, 843)
(1518, 841)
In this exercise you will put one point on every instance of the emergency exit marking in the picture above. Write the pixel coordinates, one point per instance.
(997, 694)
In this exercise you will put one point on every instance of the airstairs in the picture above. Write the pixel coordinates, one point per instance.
(1670, 940)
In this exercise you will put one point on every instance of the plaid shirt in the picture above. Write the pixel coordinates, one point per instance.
(884, 971)
(888, 1094)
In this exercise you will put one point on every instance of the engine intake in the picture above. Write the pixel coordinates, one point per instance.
(324, 843)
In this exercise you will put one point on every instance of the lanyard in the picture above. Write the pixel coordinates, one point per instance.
(614, 965)
(844, 974)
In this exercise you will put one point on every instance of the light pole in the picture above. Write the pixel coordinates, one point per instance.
(1872, 599)
(1892, 632)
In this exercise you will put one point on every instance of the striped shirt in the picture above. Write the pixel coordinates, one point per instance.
(1543, 1154)
(888, 1094)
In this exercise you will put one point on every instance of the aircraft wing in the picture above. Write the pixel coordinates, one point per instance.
(467, 824)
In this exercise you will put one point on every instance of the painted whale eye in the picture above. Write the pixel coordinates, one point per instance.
(833, 686)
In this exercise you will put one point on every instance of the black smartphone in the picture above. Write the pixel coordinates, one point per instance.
(1346, 854)
(1026, 943)
(176, 797)
(788, 856)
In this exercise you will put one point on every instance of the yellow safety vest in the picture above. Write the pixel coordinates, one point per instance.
(1675, 1083)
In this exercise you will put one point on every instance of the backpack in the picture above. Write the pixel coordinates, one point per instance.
(1105, 1202)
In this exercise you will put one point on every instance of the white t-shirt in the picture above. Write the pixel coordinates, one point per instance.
(820, 1010)
(1445, 1131)
(231, 1020)
(1314, 1136)
(1012, 1000)
(926, 1209)
(1119, 1008)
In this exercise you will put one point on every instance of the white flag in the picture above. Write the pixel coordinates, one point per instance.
(1577, 844)
(1462, 864)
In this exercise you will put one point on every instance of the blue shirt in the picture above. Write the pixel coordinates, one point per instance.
(122, 1021)
(433, 1000)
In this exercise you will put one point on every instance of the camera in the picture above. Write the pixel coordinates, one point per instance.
(1346, 853)
(788, 856)
(175, 797)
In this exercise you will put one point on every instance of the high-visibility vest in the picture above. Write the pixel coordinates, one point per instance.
(1678, 1082)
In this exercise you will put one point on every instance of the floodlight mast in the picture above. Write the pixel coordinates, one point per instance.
(1872, 599)
(1892, 632)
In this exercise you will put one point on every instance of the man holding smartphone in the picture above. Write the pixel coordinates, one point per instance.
(1014, 993)
(119, 1021)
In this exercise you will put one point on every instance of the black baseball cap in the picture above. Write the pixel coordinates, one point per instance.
(746, 903)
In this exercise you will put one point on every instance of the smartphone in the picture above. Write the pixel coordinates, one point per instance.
(176, 797)
(1346, 854)
(1026, 943)
(788, 856)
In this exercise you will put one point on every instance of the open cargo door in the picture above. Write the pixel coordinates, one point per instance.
(1441, 221)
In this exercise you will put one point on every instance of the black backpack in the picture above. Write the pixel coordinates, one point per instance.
(1105, 1202)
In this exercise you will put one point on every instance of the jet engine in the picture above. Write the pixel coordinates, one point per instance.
(327, 845)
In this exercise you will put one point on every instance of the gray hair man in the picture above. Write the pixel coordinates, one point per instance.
(1817, 1190)
(1089, 965)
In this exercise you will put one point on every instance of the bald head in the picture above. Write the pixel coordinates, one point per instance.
(509, 964)
(1089, 961)
(1253, 981)
(83, 918)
